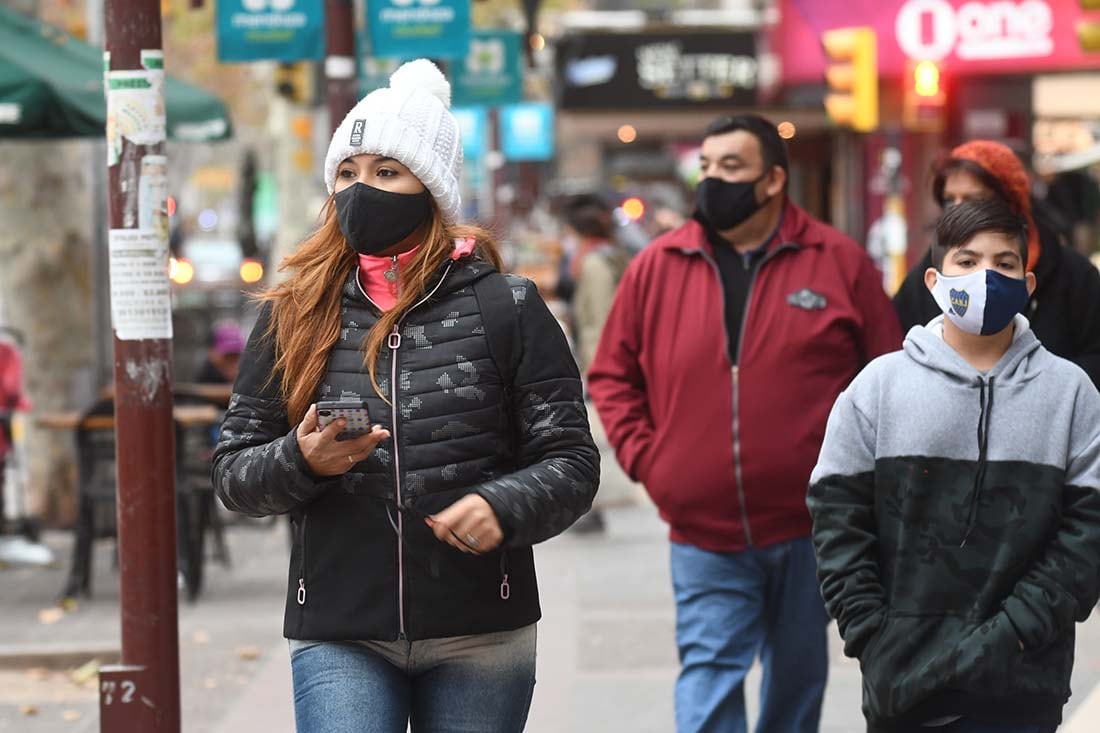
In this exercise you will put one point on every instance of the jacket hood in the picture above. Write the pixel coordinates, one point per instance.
(925, 346)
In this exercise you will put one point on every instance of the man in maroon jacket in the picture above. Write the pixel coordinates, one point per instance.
(729, 339)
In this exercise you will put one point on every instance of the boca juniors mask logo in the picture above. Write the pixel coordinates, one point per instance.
(960, 301)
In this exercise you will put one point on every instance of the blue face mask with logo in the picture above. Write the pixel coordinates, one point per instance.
(982, 302)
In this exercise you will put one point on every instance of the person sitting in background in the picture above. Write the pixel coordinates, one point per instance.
(1064, 310)
(223, 357)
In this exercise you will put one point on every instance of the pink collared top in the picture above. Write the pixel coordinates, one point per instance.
(381, 290)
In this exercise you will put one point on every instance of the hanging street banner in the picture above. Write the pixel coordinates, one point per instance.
(527, 131)
(492, 72)
(271, 30)
(406, 29)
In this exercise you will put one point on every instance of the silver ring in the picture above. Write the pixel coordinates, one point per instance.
(351, 460)
(471, 539)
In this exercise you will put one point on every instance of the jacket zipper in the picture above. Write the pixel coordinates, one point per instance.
(505, 588)
(735, 376)
(302, 572)
(394, 343)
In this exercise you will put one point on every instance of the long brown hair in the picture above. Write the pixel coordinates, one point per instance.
(305, 316)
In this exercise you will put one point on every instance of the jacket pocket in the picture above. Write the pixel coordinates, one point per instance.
(918, 656)
(896, 661)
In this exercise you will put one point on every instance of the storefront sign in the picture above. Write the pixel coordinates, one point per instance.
(275, 30)
(645, 70)
(406, 29)
(966, 37)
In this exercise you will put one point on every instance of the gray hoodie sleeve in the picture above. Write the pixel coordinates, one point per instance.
(841, 500)
(1064, 583)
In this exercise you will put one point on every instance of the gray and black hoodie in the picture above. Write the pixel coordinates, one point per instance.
(956, 519)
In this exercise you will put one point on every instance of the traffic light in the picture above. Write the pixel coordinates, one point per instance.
(1088, 30)
(925, 108)
(295, 82)
(852, 76)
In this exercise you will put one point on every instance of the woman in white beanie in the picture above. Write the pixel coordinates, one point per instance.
(412, 594)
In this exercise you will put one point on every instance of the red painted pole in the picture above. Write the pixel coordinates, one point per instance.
(341, 92)
(143, 693)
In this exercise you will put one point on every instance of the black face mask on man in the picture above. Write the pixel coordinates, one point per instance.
(374, 220)
(725, 204)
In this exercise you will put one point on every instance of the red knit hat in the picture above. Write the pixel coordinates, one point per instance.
(1001, 163)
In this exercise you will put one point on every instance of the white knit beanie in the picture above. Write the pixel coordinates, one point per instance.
(409, 121)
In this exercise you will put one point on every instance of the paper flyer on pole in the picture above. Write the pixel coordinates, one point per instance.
(141, 300)
(135, 110)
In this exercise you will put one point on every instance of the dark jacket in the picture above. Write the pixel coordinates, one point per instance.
(1064, 310)
(957, 529)
(363, 568)
(725, 450)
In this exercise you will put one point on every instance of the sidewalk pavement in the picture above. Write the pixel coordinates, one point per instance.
(607, 656)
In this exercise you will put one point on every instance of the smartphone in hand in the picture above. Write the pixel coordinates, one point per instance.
(353, 411)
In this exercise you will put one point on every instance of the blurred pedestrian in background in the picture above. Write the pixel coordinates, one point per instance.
(728, 341)
(596, 266)
(1075, 196)
(1064, 310)
(956, 502)
(412, 591)
(19, 532)
(223, 356)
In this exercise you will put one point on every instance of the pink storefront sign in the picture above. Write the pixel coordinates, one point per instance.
(966, 37)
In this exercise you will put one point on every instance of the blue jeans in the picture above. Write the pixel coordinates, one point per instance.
(731, 606)
(465, 684)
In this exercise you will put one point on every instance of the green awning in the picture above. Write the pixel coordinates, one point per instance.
(51, 85)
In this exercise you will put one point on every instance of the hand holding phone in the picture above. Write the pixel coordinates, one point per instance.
(353, 412)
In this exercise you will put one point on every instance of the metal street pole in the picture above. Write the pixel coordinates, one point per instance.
(340, 63)
(142, 693)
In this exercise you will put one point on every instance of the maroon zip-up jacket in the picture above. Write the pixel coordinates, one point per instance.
(725, 450)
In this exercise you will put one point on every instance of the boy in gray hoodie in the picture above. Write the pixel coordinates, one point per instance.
(956, 502)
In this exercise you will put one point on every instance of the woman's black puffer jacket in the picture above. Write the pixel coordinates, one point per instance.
(364, 564)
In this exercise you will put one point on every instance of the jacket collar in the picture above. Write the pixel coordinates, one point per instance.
(457, 273)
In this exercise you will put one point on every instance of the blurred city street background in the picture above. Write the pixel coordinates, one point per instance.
(556, 98)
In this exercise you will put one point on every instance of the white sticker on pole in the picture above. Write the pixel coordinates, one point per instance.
(141, 299)
(135, 110)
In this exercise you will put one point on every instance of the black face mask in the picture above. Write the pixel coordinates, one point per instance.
(374, 220)
(724, 204)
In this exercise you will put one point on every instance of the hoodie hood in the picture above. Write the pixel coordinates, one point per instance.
(925, 345)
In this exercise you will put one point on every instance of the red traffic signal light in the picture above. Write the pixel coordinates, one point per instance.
(925, 107)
